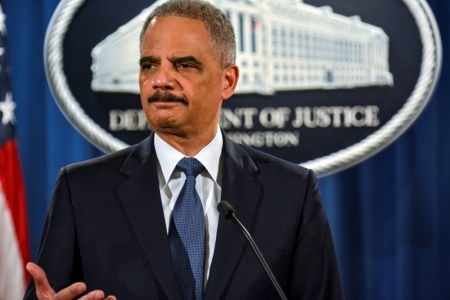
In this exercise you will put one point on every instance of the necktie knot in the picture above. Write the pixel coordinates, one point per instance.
(190, 166)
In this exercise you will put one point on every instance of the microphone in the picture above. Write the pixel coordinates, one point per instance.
(227, 211)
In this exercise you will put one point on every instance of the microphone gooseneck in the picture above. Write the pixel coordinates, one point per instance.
(227, 211)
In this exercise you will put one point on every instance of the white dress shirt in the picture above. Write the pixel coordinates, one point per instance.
(208, 185)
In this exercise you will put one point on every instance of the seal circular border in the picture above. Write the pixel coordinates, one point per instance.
(429, 73)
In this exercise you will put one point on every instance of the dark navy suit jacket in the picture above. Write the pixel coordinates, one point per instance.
(105, 227)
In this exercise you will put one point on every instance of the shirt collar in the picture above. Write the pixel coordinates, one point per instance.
(209, 156)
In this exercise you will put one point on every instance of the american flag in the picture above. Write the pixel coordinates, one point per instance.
(14, 245)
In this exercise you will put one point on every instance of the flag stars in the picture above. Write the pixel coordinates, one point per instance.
(7, 108)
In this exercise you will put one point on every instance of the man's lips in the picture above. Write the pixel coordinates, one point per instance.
(166, 97)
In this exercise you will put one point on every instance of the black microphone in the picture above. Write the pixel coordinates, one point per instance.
(227, 211)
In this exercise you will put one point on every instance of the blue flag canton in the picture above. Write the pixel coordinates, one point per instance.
(7, 105)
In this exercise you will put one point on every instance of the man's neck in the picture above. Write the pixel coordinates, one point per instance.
(188, 144)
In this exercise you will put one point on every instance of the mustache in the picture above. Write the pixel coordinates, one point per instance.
(166, 97)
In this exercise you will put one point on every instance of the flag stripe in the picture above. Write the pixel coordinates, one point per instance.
(13, 188)
(10, 274)
(14, 243)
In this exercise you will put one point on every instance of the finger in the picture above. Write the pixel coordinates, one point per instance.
(43, 288)
(94, 295)
(71, 291)
(97, 295)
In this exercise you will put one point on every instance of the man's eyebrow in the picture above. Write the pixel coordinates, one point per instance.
(145, 59)
(185, 59)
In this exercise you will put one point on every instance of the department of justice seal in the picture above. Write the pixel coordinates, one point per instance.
(323, 83)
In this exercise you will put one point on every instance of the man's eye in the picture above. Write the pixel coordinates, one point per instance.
(185, 66)
(146, 66)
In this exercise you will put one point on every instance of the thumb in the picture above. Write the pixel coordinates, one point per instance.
(43, 288)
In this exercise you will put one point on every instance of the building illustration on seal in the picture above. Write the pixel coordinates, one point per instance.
(282, 45)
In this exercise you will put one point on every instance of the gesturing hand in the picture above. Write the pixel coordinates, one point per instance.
(45, 292)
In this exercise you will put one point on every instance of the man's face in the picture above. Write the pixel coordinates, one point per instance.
(182, 86)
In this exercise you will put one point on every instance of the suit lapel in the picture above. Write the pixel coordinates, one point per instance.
(141, 200)
(242, 191)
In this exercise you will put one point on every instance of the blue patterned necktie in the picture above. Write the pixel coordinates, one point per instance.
(187, 234)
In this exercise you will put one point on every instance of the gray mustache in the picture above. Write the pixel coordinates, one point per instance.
(165, 97)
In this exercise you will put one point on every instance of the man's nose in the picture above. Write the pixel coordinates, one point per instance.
(163, 78)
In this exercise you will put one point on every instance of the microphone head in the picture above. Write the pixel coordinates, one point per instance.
(225, 209)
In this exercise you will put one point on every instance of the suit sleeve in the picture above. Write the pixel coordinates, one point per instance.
(58, 251)
(314, 271)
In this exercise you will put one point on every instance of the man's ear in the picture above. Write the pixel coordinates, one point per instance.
(230, 77)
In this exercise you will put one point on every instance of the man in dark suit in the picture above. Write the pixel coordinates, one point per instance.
(111, 223)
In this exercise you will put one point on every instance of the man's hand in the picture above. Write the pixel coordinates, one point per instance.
(45, 292)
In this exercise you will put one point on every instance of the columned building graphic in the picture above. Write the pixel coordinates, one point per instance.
(282, 45)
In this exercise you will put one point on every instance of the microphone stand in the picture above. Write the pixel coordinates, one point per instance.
(227, 211)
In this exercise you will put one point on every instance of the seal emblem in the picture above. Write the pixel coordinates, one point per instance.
(325, 84)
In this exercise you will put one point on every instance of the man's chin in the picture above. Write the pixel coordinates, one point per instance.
(164, 125)
(169, 129)
(167, 126)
